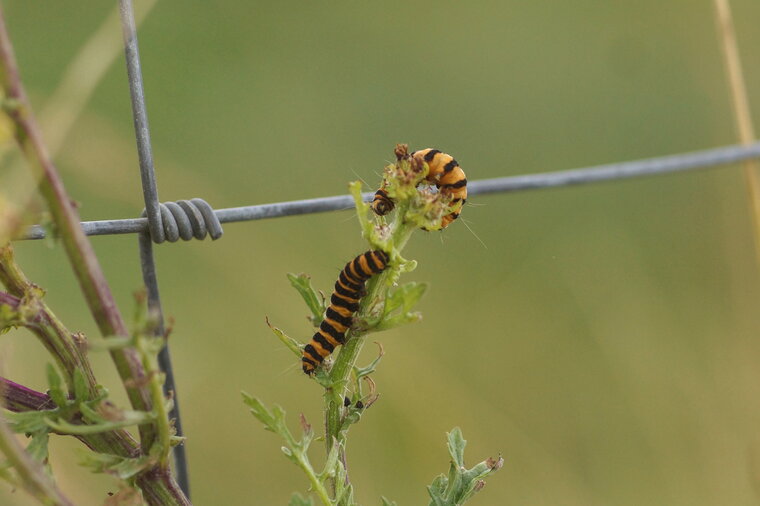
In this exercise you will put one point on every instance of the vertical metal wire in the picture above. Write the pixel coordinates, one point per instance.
(140, 116)
(155, 226)
(164, 358)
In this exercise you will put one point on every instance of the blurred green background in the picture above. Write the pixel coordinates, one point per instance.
(605, 338)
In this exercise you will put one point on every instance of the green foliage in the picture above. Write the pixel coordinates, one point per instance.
(78, 412)
(121, 467)
(296, 449)
(399, 304)
(314, 301)
(9, 318)
(384, 306)
(298, 500)
(461, 483)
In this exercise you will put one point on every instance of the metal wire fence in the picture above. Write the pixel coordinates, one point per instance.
(587, 175)
(196, 219)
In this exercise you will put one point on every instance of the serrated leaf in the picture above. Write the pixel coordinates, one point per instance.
(315, 303)
(27, 422)
(120, 467)
(38, 446)
(273, 420)
(399, 304)
(56, 391)
(260, 411)
(456, 444)
(405, 297)
(460, 484)
(298, 500)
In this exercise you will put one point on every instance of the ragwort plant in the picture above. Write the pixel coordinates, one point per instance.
(348, 388)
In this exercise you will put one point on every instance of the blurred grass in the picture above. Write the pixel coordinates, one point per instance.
(604, 340)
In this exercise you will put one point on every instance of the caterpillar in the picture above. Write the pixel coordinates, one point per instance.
(344, 302)
(444, 172)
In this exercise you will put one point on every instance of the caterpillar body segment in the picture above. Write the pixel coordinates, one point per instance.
(344, 302)
(444, 172)
(382, 203)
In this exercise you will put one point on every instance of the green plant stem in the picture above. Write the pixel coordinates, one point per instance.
(349, 352)
(33, 477)
(34, 315)
(316, 484)
(159, 407)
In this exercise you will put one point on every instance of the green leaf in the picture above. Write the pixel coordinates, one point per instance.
(314, 301)
(56, 392)
(28, 422)
(342, 489)
(456, 444)
(9, 318)
(38, 446)
(128, 418)
(298, 500)
(461, 483)
(399, 304)
(288, 341)
(274, 421)
(387, 502)
(122, 467)
(90, 415)
(405, 296)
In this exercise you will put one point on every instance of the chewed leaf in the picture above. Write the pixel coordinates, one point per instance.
(315, 302)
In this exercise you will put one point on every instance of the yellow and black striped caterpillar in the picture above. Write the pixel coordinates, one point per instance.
(344, 302)
(444, 172)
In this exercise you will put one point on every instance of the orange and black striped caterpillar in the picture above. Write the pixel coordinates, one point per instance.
(344, 302)
(444, 172)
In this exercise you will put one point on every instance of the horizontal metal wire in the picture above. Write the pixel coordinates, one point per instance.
(650, 166)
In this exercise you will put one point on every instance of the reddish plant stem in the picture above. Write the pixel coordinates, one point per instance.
(157, 485)
(18, 398)
(81, 255)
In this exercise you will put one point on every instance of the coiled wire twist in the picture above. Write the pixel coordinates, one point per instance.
(187, 219)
